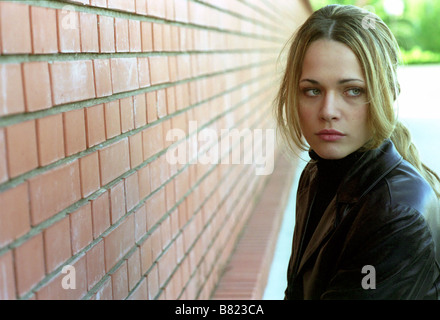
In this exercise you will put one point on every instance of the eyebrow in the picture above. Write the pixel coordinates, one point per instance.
(339, 82)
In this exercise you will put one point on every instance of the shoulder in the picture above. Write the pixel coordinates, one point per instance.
(395, 210)
(401, 187)
(407, 188)
(401, 201)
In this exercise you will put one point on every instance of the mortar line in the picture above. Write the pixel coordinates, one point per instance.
(62, 56)
(115, 13)
(22, 117)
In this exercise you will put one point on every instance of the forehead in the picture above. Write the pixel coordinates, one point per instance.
(331, 61)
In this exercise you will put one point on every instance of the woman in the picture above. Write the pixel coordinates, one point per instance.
(364, 200)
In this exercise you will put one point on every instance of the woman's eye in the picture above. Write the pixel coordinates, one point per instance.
(311, 92)
(354, 92)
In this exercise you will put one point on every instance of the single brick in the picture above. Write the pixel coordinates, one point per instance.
(89, 32)
(95, 264)
(21, 142)
(95, 125)
(103, 77)
(44, 30)
(118, 242)
(3, 162)
(81, 228)
(114, 161)
(159, 70)
(15, 28)
(50, 139)
(74, 131)
(57, 244)
(122, 35)
(124, 74)
(112, 119)
(89, 171)
(15, 214)
(127, 114)
(29, 263)
(37, 86)
(117, 201)
(68, 30)
(7, 280)
(72, 81)
(54, 191)
(11, 88)
(100, 214)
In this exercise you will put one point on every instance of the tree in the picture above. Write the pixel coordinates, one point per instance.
(416, 30)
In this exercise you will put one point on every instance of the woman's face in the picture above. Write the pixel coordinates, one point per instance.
(333, 102)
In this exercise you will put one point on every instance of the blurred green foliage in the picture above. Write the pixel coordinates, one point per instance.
(417, 29)
(419, 56)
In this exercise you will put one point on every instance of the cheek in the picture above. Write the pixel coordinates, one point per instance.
(363, 115)
(305, 114)
(304, 118)
(359, 119)
(306, 123)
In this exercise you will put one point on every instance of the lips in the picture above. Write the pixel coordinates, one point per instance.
(330, 135)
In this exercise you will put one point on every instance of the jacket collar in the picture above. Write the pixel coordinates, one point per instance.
(371, 167)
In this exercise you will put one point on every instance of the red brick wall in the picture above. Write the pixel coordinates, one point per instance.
(88, 94)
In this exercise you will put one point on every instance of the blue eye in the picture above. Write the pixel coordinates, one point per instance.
(312, 92)
(354, 92)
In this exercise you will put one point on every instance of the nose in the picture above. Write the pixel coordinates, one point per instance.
(329, 110)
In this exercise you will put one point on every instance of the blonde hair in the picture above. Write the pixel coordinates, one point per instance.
(378, 53)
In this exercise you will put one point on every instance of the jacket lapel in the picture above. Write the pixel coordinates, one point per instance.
(305, 198)
(325, 226)
(368, 171)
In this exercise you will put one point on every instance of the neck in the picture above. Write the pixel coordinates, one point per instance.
(331, 172)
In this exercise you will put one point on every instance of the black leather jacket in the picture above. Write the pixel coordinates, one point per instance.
(377, 219)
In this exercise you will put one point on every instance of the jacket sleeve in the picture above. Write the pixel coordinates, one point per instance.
(389, 254)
